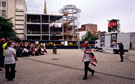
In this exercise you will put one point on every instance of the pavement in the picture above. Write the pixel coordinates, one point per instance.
(66, 67)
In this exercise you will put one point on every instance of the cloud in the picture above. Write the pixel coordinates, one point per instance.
(35, 5)
(94, 11)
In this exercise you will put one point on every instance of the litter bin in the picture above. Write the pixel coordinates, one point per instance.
(55, 50)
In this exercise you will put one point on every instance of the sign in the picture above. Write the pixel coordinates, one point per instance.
(66, 43)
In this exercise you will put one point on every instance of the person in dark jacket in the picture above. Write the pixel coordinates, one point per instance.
(121, 50)
(1, 53)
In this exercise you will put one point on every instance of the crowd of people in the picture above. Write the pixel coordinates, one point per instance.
(21, 49)
(27, 49)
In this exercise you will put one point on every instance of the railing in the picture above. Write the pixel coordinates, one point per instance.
(33, 32)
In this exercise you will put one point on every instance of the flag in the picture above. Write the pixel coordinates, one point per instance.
(88, 51)
(93, 61)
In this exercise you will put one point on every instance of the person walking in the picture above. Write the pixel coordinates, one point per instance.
(9, 62)
(86, 59)
(121, 50)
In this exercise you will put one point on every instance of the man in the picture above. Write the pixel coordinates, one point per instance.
(4, 46)
(1, 53)
(121, 50)
(1, 49)
(86, 59)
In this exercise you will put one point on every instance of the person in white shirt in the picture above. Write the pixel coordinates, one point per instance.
(9, 62)
(86, 59)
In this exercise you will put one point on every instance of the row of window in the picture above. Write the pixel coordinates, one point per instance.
(3, 4)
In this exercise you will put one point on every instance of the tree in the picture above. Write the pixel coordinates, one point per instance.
(94, 37)
(88, 36)
(6, 28)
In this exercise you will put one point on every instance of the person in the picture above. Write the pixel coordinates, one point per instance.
(121, 50)
(86, 59)
(1, 53)
(9, 62)
(43, 51)
(54, 49)
(4, 46)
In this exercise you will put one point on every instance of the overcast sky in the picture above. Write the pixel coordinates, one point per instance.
(93, 11)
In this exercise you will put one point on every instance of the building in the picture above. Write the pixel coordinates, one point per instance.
(89, 27)
(29, 26)
(43, 27)
(15, 9)
(92, 28)
(132, 40)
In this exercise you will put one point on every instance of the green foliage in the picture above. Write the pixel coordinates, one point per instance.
(6, 28)
(94, 37)
(88, 36)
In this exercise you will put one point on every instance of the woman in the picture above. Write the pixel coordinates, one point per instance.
(9, 62)
(86, 59)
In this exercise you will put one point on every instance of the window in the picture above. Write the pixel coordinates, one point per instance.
(3, 12)
(3, 4)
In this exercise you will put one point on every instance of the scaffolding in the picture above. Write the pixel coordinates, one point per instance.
(69, 21)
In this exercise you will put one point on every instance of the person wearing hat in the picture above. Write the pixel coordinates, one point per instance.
(86, 59)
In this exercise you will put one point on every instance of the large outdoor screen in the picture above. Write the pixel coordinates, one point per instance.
(112, 26)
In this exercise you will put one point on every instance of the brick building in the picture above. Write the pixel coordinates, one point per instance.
(88, 27)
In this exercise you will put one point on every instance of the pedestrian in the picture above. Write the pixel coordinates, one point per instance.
(4, 46)
(9, 62)
(86, 59)
(121, 51)
(1, 53)
(54, 49)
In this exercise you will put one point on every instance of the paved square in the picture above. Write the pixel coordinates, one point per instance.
(66, 67)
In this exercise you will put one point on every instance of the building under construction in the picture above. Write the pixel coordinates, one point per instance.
(53, 27)
(41, 27)
(29, 26)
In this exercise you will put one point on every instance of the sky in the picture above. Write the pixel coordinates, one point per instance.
(93, 11)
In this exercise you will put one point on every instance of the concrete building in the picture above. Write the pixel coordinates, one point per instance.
(43, 27)
(15, 9)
